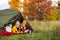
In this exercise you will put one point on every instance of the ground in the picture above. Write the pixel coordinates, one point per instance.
(43, 30)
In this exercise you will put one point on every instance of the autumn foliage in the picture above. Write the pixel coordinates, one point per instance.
(38, 8)
(14, 4)
(35, 9)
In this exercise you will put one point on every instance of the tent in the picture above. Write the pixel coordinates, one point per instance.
(11, 16)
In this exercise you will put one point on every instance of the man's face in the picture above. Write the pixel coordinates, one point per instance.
(17, 25)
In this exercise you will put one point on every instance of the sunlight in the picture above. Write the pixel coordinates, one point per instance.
(9, 0)
(21, 1)
(21, 9)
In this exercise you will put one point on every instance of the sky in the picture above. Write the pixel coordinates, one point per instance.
(4, 4)
(54, 3)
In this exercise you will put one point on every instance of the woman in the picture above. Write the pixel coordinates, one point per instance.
(15, 28)
(7, 30)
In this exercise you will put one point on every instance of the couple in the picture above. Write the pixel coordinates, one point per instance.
(20, 27)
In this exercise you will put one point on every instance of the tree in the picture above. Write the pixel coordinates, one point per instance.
(39, 8)
(14, 4)
(53, 14)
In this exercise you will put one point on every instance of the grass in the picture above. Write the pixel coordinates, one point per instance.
(34, 36)
(43, 30)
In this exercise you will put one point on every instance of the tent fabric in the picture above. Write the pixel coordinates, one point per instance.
(6, 15)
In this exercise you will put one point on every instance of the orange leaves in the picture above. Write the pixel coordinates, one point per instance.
(14, 4)
(26, 3)
(37, 8)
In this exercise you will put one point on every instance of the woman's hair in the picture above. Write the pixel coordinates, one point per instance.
(7, 24)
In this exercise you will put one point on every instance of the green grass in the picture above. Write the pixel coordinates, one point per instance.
(43, 30)
(34, 36)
